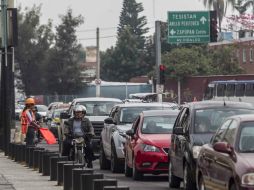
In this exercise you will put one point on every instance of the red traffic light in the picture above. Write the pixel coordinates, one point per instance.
(162, 67)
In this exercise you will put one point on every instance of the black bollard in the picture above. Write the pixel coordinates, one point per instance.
(41, 155)
(99, 184)
(46, 162)
(36, 158)
(23, 153)
(67, 175)
(87, 180)
(16, 154)
(116, 188)
(76, 173)
(12, 151)
(19, 153)
(28, 149)
(31, 156)
(53, 166)
(60, 171)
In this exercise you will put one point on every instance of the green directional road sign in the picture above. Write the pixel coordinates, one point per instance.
(189, 27)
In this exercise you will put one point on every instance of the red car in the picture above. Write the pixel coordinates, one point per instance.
(148, 142)
(227, 163)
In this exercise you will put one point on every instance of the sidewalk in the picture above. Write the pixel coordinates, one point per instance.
(14, 176)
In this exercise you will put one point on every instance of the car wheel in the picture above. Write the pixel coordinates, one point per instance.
(174, 182)
(127, 169)
(201, 184)
(115, 165)
(188, 183)
(104, 163)
(136, 175)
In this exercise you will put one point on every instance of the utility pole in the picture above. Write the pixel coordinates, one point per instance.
(159, 88)
(98, 80)
(7, 76)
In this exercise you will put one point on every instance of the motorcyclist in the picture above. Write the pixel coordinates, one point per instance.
(78, 126)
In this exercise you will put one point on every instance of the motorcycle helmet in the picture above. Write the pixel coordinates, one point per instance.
(79, 111)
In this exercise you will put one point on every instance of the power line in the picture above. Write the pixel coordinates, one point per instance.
(102, 37)
(93, 30)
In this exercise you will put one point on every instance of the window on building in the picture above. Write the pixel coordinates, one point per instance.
(251, 55)
(244, 56)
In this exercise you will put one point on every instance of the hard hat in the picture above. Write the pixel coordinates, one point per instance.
(29, 101)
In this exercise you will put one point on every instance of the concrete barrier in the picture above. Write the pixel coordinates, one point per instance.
(99, 184)
(60, 171)
(76, 177)
(86, 182)
(53, 166)
(67, 175)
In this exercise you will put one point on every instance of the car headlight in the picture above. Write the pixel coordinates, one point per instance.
(150, 148)
(248, 179)
(195, 151)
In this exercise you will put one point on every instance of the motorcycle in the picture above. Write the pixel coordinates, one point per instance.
(77, 151)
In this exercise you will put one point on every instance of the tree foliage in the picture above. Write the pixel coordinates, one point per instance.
(31, 53)
(63, 70)
(201, 60)
(128, 57)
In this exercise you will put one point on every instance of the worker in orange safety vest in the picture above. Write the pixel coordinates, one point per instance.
(28, 116)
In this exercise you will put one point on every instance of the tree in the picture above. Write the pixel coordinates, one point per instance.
(182, 62)
(224, 61)
(220, 6)
(242, 6)
(63, 73)
(128, 57)
(34, 43)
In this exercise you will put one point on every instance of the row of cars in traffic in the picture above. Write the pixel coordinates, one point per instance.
(201, 145)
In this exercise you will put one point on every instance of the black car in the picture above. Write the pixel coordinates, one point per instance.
(194, 127)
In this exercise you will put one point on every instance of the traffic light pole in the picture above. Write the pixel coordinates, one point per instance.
(159, 87)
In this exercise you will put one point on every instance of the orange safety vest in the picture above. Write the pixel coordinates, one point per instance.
(24, 121)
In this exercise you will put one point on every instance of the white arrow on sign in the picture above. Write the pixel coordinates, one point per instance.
(172, 32)
(203, 20)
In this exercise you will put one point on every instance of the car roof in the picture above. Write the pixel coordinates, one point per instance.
(148, 104)
(96, 99)
(61, 109)
(244, 117)
(159, 112)
(209, 104)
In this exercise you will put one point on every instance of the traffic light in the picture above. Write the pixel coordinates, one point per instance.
(162, 74)
(213, 26)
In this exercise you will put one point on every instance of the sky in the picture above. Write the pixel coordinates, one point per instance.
(105, 15)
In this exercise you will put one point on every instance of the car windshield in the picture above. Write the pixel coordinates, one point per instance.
(246, 141)
(209, 120)
(98, 108)
(42, 108)
(158, 124)
(129, 114)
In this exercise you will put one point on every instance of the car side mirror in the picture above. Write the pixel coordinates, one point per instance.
(223, 147)
(64, 115)
(109, 120)
(178, 131)
(130, 133)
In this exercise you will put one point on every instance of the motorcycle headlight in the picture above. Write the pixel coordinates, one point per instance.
(248, 179)
(195, 151)
(150, 148)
